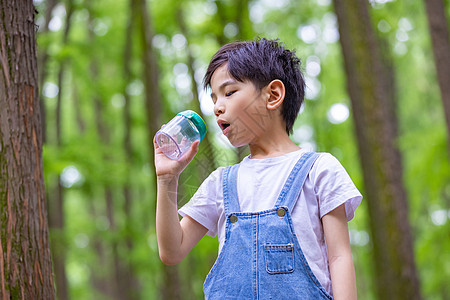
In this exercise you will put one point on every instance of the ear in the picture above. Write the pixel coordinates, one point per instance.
(275, 91)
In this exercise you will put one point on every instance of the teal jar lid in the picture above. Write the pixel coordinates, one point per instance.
(197, 120)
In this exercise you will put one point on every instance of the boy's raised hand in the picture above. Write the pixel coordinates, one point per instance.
(166, 167)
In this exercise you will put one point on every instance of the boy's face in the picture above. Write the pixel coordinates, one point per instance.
(240, 108)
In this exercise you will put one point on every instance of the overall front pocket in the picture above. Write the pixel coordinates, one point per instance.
(279, 258)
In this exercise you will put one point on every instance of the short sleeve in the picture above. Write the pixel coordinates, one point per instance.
(203, 206)
(334, 187)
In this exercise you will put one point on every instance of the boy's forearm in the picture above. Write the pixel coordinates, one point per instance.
(343, 279)
(168, 228)
(340, 260)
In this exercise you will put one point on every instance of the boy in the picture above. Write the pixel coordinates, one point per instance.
(281, 214)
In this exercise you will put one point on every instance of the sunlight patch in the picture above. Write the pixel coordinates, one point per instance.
(159, 41)
(257, 12)
(358, 238)
(439, 217)
(374, 2)
(330, 32)
(313, 66)
(179, 41)
(276, 4)
(206, 103)
(210, 8)
(384, 26)
(230, 30)
(118, 100)
(312, 88)
(101, 27)
(81, 240)
(50, 90)
(338, 113)
(56, 21)
(303, 134)
(324, 2)
(70, 176)
(135, 88)
(309, 33)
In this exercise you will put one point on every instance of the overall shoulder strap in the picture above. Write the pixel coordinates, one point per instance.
(294, 184)
(230, 197)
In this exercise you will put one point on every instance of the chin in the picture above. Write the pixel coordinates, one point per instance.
(235, 143)
(240, 143)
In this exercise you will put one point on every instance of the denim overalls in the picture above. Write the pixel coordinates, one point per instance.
(261, 257)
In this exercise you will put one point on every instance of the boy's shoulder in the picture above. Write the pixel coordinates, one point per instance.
(325, 162)
(215, 175)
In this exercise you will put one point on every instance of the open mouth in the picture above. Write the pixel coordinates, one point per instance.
(224, 126)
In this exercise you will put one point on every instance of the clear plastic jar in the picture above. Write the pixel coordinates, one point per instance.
(177, 136)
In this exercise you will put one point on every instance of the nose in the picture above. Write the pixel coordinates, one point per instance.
(218, 108)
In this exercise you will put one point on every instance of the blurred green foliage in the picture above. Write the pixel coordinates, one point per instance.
(93, 68)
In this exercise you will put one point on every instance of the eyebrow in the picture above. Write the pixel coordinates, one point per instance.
(224, 84)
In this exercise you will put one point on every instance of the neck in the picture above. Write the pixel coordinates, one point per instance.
(272, 145)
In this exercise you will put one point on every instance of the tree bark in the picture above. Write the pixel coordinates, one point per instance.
(243, 20)
(25, 262)
(441, 48)
(42, 67)
(113, 286)
(207, 162)
(153, 97)
(128, 277)
(170, 285)
(56, 197)
(106, 280)
(376, 130)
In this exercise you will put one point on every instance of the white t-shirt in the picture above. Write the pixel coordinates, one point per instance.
(259, 182)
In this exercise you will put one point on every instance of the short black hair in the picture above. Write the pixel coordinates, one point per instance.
(260, 62)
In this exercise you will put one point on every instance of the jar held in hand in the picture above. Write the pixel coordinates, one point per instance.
(180, 133)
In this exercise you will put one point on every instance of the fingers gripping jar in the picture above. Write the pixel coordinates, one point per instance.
(177, 136)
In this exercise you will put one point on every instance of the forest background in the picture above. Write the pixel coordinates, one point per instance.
(112, 72)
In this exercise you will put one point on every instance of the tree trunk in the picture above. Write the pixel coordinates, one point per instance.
(56, 197)
(25, 263)
(100, 272)
(81, 124)
(376, 130)
(206, 162)
(129, 278)
(243, 20)
(441, 49)
(114, 287)
(42, 67)
(108, 281)
(170, 285)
